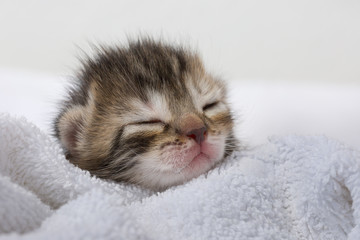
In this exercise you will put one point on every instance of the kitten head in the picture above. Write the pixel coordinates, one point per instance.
(148, 114)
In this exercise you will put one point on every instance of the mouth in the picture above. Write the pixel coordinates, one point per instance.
(197, 163)
(200, 157)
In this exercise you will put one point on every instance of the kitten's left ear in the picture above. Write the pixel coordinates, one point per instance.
(70, 127)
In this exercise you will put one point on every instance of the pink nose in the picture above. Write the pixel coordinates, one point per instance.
(197, 134)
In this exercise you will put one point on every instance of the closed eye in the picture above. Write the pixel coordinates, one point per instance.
(152, 121)
(210, 105)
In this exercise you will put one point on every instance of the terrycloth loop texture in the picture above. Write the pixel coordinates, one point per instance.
(292, 187)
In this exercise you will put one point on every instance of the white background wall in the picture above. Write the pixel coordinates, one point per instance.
(306, 54)
(247, 39)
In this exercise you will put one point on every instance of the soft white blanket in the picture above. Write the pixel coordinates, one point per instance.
(292, 187)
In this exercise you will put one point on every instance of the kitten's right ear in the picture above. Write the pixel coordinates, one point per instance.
(70, 126)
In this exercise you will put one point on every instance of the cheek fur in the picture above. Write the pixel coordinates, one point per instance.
(214, 151)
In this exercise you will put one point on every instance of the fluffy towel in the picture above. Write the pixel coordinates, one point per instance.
(290, 188)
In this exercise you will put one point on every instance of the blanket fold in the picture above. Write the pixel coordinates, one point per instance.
(292, 187)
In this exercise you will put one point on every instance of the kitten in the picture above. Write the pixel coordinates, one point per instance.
(147, 114)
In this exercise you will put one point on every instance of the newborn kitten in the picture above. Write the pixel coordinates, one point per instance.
(147, 114)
